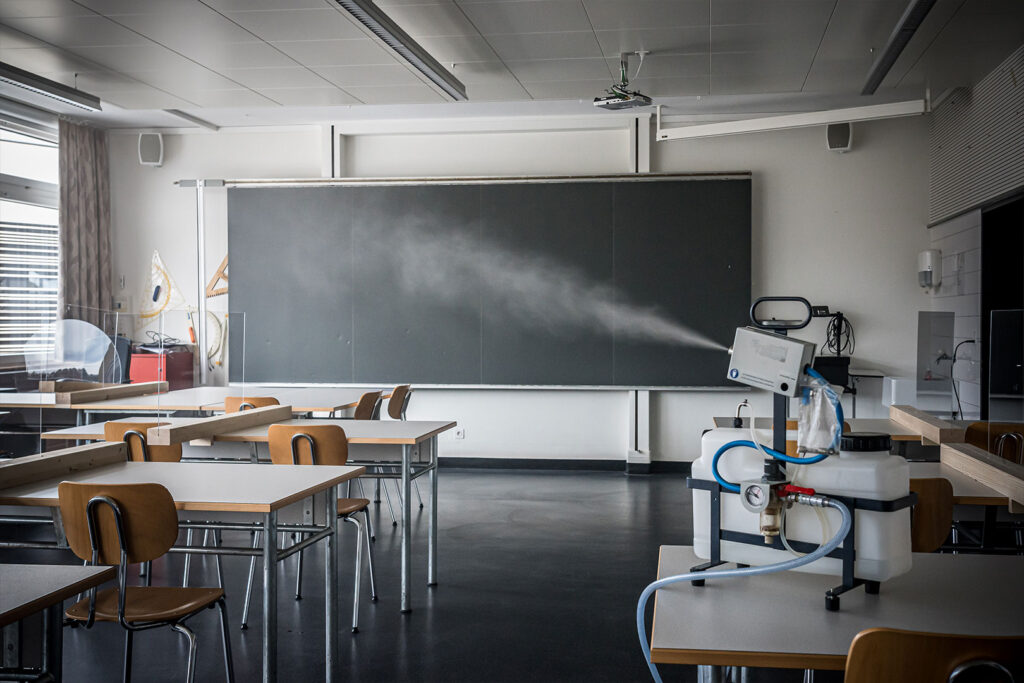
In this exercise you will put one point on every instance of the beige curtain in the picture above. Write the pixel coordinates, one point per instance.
(85, 263)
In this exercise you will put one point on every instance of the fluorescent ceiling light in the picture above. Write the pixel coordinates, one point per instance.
(381, 25)
(37, 85)
(802, 120)
(905, 29)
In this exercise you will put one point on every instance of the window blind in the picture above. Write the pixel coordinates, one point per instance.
(29, 266)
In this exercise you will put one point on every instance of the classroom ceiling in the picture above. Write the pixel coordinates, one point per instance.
(252, 61)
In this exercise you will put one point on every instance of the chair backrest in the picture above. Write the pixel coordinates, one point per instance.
(932, 517)
(134, 433)
(883, 654)
(148, 518)
(990, 436)
(290, 444)
(399, 402)
(233, 404)
(368, 407)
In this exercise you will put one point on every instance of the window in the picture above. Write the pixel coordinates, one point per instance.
(29, 242)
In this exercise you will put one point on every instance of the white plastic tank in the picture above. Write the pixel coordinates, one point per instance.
(882, 538)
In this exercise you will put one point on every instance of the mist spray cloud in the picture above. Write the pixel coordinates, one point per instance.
(535, 289)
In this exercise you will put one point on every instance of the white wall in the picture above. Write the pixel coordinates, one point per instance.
(842, 230)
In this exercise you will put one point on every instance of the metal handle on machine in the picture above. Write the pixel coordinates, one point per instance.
(780, 324)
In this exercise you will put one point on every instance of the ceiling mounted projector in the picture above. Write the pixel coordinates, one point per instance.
(619, 96)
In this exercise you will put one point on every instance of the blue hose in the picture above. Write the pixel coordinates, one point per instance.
(822, 551)
(729, 486)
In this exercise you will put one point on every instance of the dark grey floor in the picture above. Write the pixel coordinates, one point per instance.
(539, 574)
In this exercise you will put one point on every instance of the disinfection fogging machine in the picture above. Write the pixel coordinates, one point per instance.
(840, 505)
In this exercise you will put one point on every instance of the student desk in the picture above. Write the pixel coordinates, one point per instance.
(30, 588)
(780, 620)
(417, 439)
(244, 489)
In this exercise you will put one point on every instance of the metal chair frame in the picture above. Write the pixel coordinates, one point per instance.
(122, 581)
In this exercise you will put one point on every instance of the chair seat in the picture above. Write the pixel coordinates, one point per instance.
(147, 603)
(346, 506)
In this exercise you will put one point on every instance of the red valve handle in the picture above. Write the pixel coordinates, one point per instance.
(789, 488)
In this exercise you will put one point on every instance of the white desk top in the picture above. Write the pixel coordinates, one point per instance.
(865, 372)
(358, 431)
(200, 486)
(857, 424)
(780, 620)
(196, 398)
(29, 588)
(27, 399)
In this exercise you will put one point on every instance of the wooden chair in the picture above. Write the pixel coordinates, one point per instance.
(1005, 439)
(368, 407)
(319, 445)
(399, 401)
(233, 404)
(932, 517)
(884, 654)
(122, 524)
(134, 434)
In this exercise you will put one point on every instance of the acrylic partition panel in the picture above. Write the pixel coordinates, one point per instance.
(1006, 366)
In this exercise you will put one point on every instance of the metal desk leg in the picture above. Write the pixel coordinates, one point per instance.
(432, 519)
(406, 526)
(53, 644)
(333, 672)
(270, 597)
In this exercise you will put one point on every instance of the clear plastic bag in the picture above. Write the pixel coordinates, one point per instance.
(818, 428)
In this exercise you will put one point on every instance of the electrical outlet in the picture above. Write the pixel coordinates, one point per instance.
(460, 433)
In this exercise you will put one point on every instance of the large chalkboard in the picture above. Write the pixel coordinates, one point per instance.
(569, 282)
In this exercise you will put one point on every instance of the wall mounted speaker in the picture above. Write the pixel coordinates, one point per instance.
(151, 149)
(839, 137)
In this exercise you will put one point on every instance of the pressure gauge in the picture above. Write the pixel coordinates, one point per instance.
(755, 495)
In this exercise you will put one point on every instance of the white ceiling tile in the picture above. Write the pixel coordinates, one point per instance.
(437, 19)
(237, 55)
(684, 39)
(184, 81)
(563, 45)
(667, 66)
(764, 38)
(396, 94)
(43, 59)
(534, 16)
(686, 86)
(449, 49)
(773, 11)
(109, 7)
(244, 5)
(304, 24)
(9, 38)
(351, 52)
(149, 57)
(537, 70)
(476, 73)
(369, 75)
(189, 26)
(797, 63)
(309, 97)
(566, 90)
(856, 27)
(496, 92)
(95, 81)
(616, 14)
(70, 32)
(41, 8)
(222, 99)
(289, 77)
(837, 75)
(752, 83)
